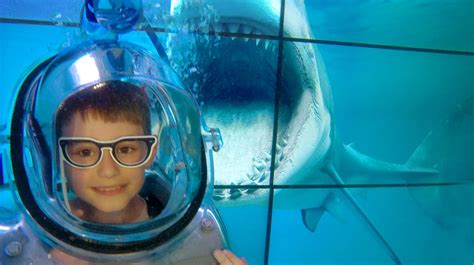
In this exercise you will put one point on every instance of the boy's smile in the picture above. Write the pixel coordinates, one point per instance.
(111, 190)
(108, 187)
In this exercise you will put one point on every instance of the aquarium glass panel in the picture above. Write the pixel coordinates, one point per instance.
(422, 225)
(246, 226)
(21, 48)
(426, 24)
(53, 11)
(412, 109)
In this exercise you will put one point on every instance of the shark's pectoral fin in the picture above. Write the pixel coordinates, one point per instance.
(331, 205)
(311, 217)
(335, 208)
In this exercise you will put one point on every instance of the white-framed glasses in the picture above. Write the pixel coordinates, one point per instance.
(127, 151)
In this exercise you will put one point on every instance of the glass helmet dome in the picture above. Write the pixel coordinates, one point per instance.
(174, 177)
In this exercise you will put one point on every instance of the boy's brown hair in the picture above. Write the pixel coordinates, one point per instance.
(109, 101)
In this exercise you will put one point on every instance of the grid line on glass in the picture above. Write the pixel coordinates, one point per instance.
(39, 22)
(275, 130)
(254, 36)
(330, 186)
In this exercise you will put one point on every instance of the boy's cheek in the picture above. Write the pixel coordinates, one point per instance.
(70, 172)
(74, 175)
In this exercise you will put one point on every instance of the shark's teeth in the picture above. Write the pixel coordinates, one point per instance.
(251, 176)
(209, 29)
(246, 29)
(235, 193)
(220, 194)
(217, 27)
(259, 165)
(234, 28)
(277, 163)
(250, 191)
(256, 171)
(264, 176)
(267, 157)
(218, 197)
(249, 182)
(278, 148)
(260, 175)
(231, 194)
(225, 27)
(267, 42)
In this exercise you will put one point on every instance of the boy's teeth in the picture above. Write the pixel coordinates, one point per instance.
(109, 188)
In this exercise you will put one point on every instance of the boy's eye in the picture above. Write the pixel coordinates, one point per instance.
(84, 153)
(126, 150)
(82, 150)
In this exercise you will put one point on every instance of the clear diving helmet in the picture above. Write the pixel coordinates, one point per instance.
(110, 157)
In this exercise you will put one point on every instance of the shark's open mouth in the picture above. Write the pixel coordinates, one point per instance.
(234, 81)
(231, 66)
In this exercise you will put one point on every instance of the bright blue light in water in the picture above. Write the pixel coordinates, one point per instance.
(385, 100)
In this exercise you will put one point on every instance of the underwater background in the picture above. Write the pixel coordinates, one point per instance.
(396, 69)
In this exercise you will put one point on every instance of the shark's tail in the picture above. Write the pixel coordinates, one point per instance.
(449, 148)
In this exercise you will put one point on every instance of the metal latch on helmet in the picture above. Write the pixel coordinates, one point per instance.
(213, 139)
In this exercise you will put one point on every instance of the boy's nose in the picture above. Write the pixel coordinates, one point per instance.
(107, 167)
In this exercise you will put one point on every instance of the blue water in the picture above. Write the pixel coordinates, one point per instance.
(386, 99)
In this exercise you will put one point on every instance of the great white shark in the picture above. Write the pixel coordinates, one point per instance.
(233, 79)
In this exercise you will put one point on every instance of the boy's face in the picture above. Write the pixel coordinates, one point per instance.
(108, 187)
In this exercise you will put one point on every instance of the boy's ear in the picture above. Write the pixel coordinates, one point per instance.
(153, 154)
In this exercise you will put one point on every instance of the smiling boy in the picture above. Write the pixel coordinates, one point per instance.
(105, 146)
